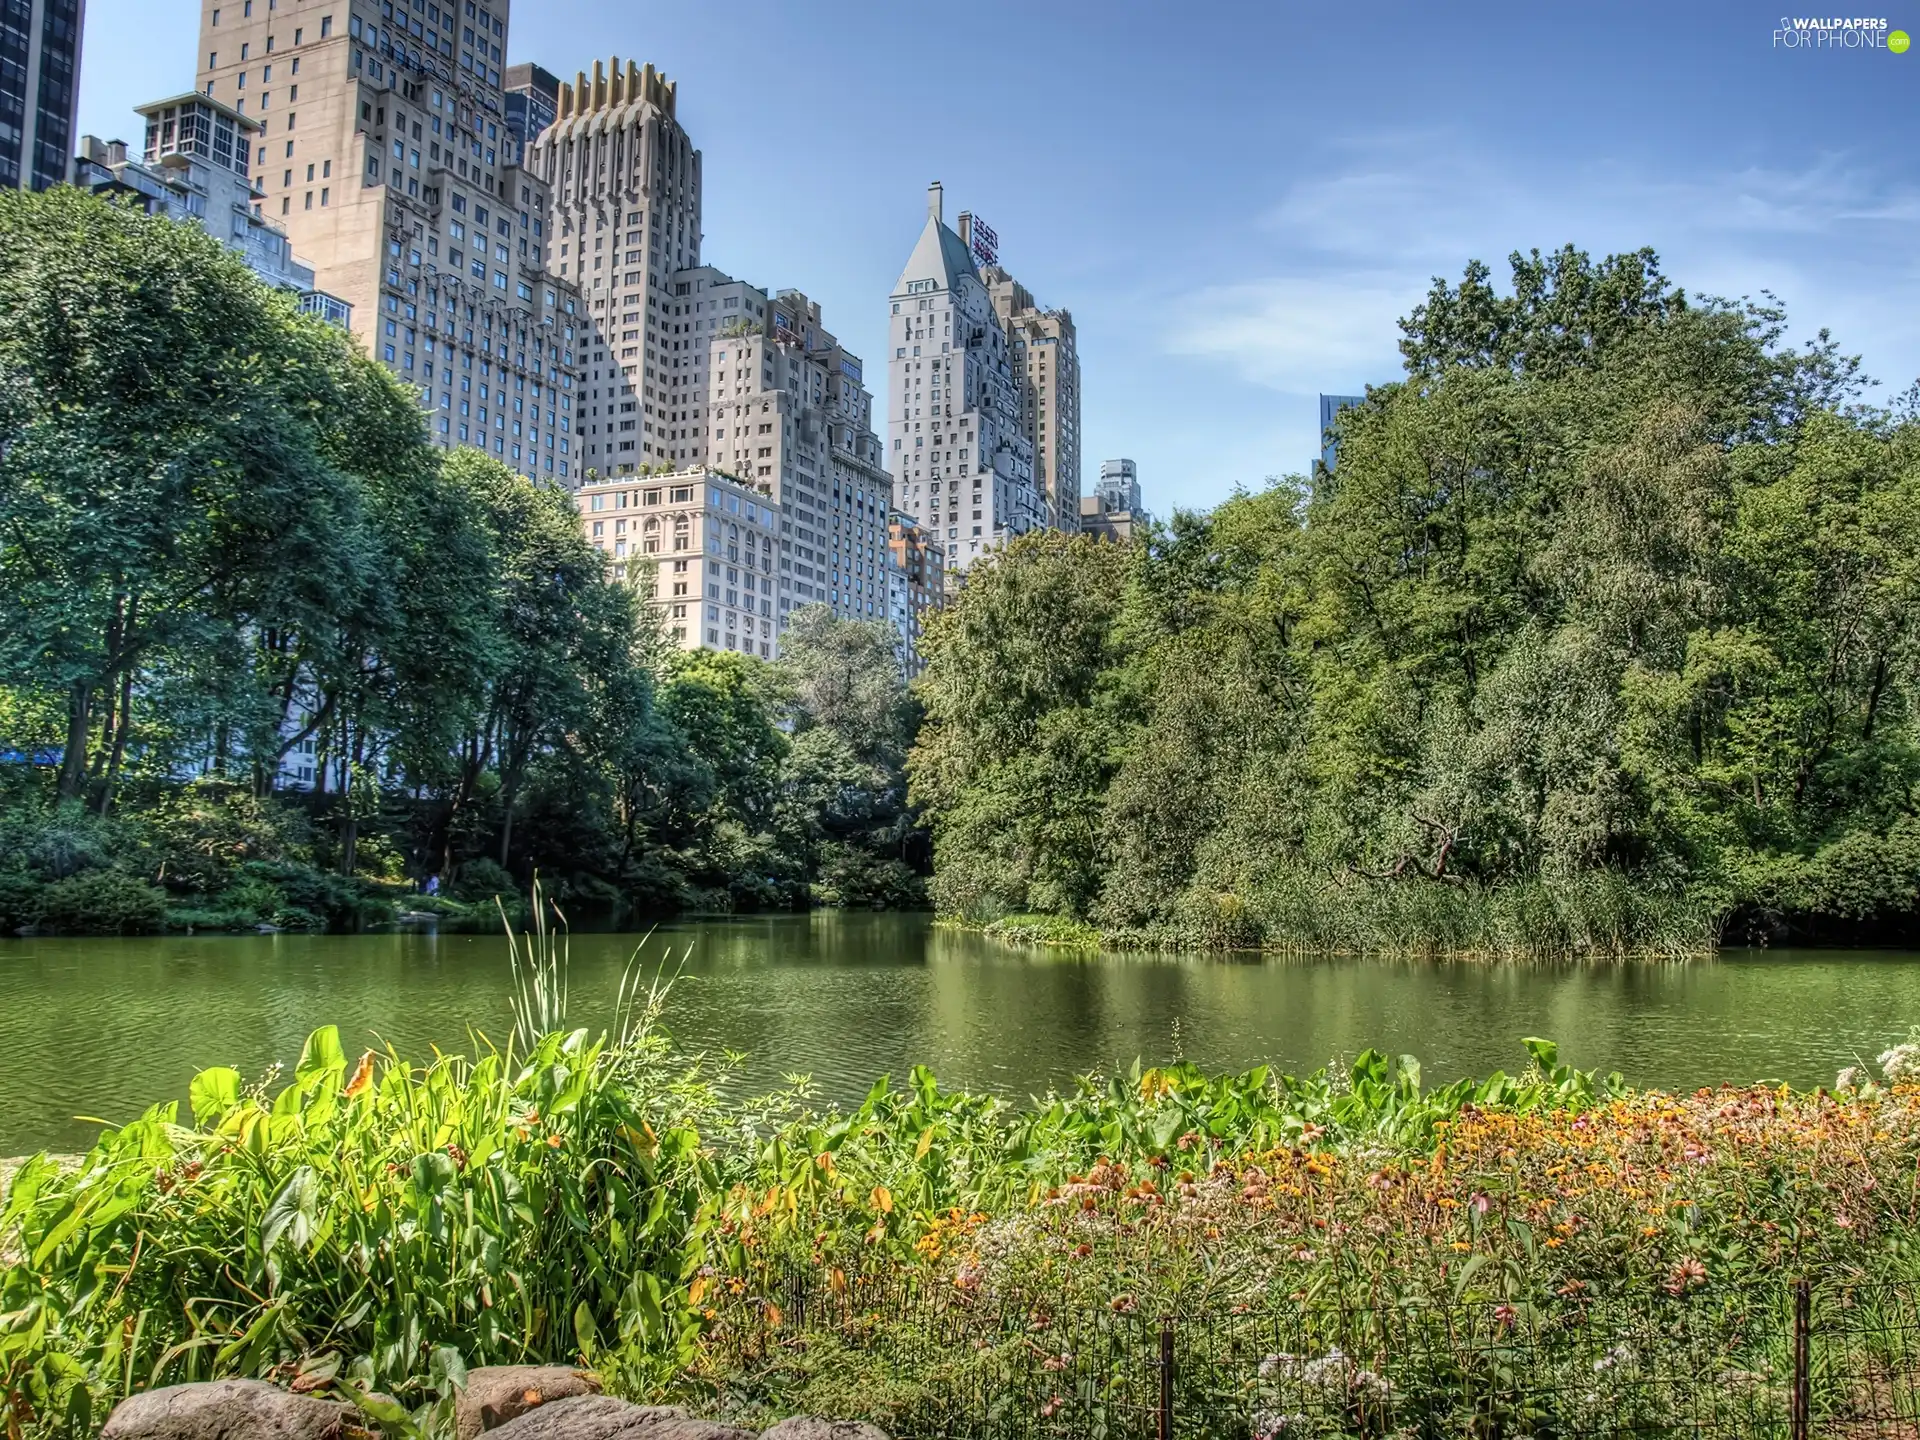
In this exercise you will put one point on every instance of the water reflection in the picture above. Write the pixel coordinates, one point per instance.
(93, 1027)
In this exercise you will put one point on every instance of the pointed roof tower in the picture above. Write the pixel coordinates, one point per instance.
(938, 254)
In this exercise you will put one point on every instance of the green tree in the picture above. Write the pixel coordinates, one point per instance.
(173, 466)
(1017, 748)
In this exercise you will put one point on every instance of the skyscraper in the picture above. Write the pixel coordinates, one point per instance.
(790, 414)
(1120, 485)
(1330, 408)
(532, 101)
(397, 180)
(39, 90)
(961, 454)
(625, 181)
(196, 167)
(1045, 360)
(1112, 511)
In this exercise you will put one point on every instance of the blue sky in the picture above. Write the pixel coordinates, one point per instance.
(1236, 200)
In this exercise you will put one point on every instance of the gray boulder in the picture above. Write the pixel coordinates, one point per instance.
(601, 1417)
(232, 1410)
(496, 1394)
(808, 1427)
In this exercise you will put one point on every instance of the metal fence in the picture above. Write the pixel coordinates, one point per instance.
(1794, 1361)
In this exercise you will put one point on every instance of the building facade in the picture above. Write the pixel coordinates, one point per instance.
(625, 184)
(386, 157)
(1330, 408)
(196, 167)
(1100, 519)
(39, 90)
(532, 101)
(1046, 366)
(920, 562)
(790, 414)
(1119, 485)
(961, 455)
(702, 547)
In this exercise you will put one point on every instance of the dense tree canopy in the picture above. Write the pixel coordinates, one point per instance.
(1602, 634)
(225, 541)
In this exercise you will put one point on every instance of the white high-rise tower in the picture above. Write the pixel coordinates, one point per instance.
(957, 441)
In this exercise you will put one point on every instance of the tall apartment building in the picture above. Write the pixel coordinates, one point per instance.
(701, 546)
(962, 457)
(1330, 408)
(1119, 487)
(1112, 511)
(920, 562)
(1046, 363)
(532, 101)
(398, 180)
(39, 90)
(196, 167)
(625, 182)
(790, 414)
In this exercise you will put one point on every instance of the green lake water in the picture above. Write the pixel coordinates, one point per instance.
(105, 1027)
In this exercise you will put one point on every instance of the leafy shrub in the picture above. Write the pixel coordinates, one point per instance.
(481, 880)
(19, 901)
(102, 902)
(56, 844)
(852, 876)
(260, 899)
(340, 902)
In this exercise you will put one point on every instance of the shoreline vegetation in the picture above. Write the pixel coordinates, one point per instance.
(1600, 638)
(296, 662)
(373, 1228)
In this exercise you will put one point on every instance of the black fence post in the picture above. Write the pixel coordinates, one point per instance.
(1800, 1401)
(1165, 1428)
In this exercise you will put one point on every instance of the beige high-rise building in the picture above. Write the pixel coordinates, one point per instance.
(386, 158)
(700, 545)
(769, 400)
(1045, 360)
(791, 415)
(625, 182)
(920, 561)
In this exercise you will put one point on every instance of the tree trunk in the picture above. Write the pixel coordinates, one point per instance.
(73, 762)
(121, 726)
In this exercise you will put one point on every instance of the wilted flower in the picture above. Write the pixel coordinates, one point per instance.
(1901, 1064)
(1617, 1358)
(1330, 1371)
(1689, 1274)
(1280, 1367)
(1272, 1427)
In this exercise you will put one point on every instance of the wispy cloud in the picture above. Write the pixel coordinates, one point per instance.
(1345, 252)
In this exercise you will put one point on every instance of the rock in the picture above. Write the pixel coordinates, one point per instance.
(600, 1417)
(232, 1410)
(496, 1394)
(808, 1427)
